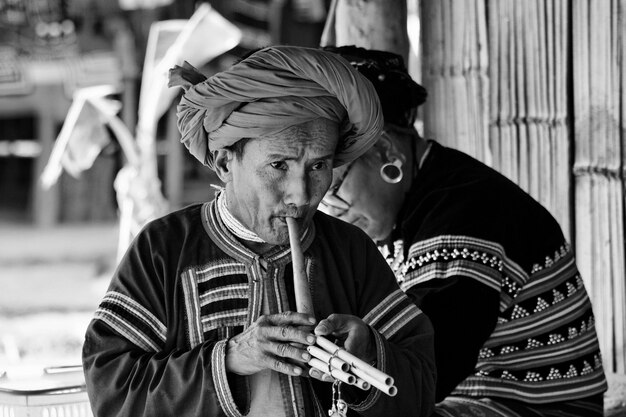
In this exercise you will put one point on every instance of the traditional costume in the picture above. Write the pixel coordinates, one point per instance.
(492, 270)
(157, 345)
(514, 329)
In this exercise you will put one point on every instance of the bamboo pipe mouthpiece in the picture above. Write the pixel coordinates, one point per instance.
(302, 292)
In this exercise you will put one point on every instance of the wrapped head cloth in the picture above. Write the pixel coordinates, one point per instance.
(271, 90)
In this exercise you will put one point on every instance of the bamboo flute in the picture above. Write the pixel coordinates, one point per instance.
(334, 372)
(353, 361)
(302, 292)
(361, 369)
(330, 360)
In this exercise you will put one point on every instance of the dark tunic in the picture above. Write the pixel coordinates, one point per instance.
(492, 270)
(157, 344)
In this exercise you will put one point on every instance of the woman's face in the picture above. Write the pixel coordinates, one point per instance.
(359, 195)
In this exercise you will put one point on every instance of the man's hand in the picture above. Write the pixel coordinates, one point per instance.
(356, 336)
(272, 342)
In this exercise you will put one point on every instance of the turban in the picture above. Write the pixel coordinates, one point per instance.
(271, 90)
(399, 95)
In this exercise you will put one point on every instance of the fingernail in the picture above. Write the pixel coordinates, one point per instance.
(310, 339)
(297, 371)
(312, 320)
(306, 356)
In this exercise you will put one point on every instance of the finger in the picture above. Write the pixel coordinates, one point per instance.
(287, 351)
(335, 324)
(308, 328)
(290, 318)
(324, 328)
(283, 367)
(290, 334)
(319, 375)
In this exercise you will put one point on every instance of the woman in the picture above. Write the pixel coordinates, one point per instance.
(514, 328)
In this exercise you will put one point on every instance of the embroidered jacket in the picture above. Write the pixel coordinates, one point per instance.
(491, 269)
(157, 344)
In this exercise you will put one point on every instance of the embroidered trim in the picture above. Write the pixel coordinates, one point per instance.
(392, 314)
(381, 364)
(449, 255)
(542, 322)
(533, 390)
(220, 380)
(132, 320)
(234, 225)
(550, 260)
(539, 356)
(192, 308)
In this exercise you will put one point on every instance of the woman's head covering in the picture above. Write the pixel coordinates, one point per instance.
(273, 89)
(399, 95)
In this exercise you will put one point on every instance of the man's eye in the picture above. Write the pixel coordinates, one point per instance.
(319, 165)
(279, 165)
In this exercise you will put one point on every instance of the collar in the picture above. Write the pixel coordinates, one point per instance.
(228, 242)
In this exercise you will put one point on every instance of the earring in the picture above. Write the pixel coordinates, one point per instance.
(391, 172)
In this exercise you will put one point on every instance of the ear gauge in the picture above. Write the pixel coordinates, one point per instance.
(391, 172)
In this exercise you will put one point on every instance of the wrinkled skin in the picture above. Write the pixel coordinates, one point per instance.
(279, 176)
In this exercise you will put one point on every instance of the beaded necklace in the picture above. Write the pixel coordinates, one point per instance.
(396, 260)
(234, 225)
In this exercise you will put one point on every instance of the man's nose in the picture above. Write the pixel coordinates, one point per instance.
(297, 190)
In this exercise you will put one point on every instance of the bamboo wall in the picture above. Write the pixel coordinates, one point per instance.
(599, 114)
(455, 72)
(537, 89)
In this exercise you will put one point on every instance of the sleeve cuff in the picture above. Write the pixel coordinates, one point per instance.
(220, 380)
(381, 364)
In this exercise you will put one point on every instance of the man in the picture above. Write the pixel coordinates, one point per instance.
(199, 319)
(514, 329)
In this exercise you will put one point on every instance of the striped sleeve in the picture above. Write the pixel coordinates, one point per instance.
(220, 380)
(393, 313)
(381, 362)
(132, 320)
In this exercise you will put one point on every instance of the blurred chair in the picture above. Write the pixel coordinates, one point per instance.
(57, 392)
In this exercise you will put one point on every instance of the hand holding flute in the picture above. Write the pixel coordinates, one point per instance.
(356, 335)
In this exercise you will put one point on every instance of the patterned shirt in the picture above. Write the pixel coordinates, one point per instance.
(157, 344)
(491, 269)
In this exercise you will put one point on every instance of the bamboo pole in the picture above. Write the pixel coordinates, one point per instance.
(302, 292)
(598, 167)
(620, 301)
(529, 63)
(372, 24)
(495, 50)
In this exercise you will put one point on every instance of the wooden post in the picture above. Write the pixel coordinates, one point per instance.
(598, 79)
(45, 203)
(372, 24)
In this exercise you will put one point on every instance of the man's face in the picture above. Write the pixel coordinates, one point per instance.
(283, 175)
(358, 195)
